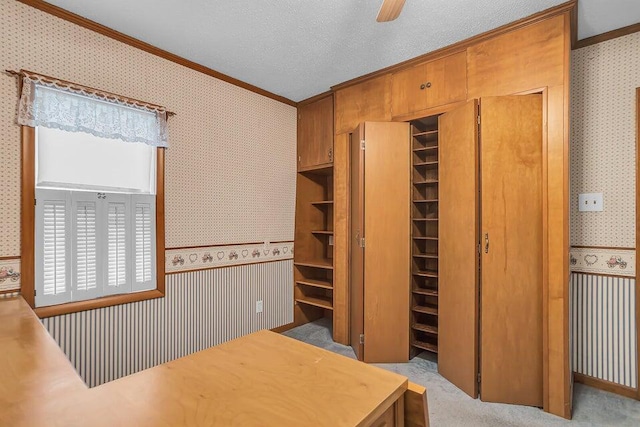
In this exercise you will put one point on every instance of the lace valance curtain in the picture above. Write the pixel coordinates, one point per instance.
(62, 105)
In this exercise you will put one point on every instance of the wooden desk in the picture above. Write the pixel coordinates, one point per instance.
(261, 379)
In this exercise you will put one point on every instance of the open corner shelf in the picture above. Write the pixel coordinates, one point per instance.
(326, 232)
(313, 265)
(317, 263)
(316, 301)
(325, 169)
(322, 203)
(324, 284)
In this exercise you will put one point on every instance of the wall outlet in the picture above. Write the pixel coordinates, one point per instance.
(590, 202)
(259, 306)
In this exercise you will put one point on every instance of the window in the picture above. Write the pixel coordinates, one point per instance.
(93, 197)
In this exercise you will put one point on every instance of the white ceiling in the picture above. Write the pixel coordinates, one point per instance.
(298, 48)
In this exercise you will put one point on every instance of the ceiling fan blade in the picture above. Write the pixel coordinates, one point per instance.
(390, 10)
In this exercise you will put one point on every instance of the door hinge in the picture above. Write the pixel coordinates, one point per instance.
(35, 292)
(35, 202)
(299, 159)
(362, 144)
(478, 118)
(478, 378)
(362, 242)
(361, 338)
(479, 248)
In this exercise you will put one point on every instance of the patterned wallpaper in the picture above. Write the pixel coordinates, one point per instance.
(603, 142)
(230, 168)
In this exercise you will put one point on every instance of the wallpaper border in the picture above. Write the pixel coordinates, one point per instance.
(199, 258)
(181, 260)
(607, 261)
(10, 274)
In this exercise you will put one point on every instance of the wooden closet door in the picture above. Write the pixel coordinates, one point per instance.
(356, 233)
(511, 297)
(387, 255)
(458, 247)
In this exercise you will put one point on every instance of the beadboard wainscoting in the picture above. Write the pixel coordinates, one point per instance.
(603, 328)
(200, 309)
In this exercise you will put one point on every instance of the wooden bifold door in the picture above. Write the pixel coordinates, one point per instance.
(490, 249)
(380, 236)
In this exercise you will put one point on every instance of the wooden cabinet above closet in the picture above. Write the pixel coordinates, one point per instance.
(315, 133)
(370, 100)
(430, 84)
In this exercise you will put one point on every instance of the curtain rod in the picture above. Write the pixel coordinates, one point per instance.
(23, 73)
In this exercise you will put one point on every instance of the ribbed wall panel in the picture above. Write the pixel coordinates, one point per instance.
(200, 309)
(603, 328)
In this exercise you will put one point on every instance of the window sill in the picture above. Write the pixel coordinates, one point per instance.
(74, 307)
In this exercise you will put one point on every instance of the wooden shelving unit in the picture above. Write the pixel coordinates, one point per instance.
(313, 258)
(424, 236)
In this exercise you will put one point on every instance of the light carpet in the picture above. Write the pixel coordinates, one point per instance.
(448, 406)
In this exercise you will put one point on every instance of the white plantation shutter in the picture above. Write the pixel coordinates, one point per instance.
(118, 220)
(86, 241)
(93, 244)
(52, 253)
(144, 242)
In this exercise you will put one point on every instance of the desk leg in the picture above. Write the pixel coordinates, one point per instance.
(398, 408)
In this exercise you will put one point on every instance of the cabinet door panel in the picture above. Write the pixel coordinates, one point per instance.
(369, 100)
(315, 133)
(428, 85)
(448, 78)
(387, 253)
(457, 248)
(511, 301)
(407, 95)
(529, 58)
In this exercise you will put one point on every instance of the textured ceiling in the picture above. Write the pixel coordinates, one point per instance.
(599, 16)
(298, 48)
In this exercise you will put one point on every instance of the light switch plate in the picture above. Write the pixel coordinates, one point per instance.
(590, 202)
(259, 306)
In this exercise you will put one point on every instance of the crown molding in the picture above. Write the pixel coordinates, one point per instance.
(624, 31)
